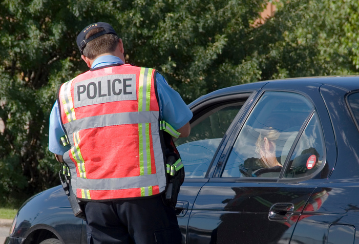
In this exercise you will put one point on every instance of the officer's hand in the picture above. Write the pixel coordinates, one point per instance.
(59, 158)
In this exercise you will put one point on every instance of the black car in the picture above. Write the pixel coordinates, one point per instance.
(266, 162)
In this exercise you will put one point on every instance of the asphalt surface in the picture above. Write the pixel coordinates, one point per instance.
(4, 232)
(5, 225)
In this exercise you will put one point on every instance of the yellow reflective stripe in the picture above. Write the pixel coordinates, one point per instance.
(177, 162)
(142, 191)
(169, 129)
(144, 148)
(144, 98)
(148, 89)
(85, 194)
(66, 99)
(147, 95)
(140, 126)
(82, 165)
(63, 101)
(88, 194)
(148, 149)
(146, 191)
(76, 154)
(150, 191)
(140, 90)
(140, 135)
(65, 140)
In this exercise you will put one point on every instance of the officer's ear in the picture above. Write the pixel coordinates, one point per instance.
(87, 60)
(120, 46)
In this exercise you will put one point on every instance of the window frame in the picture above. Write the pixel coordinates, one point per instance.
(279, 179)
(201, 109)
(350, 108)
(294, 145)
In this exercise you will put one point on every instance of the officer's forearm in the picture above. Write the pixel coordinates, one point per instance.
(59, 158)
(185, 130)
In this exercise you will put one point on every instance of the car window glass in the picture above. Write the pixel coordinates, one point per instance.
(353, 100)
(264, 142)
(198, 149)
(308, 153)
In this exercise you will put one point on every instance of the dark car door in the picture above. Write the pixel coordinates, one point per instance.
(271, 165)
(212, 118)
(337, 220)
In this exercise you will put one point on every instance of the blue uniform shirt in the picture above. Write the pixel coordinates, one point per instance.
(172, 108)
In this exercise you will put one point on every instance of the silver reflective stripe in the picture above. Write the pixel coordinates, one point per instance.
(159, 160)
(86, 196)
(179, 166)
(169, 129)
(146, 191)
(110, 120)
(71, 138)
(117, 183)
(173, 170)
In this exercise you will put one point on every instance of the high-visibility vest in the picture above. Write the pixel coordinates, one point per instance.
(111, 118)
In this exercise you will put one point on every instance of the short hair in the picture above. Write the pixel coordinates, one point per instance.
(104, 44)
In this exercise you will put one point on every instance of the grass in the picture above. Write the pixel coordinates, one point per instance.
(7, 213)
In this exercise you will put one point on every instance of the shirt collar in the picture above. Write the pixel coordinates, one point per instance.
(106, 60)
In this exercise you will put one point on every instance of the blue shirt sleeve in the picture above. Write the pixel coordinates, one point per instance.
(56, 132)
(172, 107)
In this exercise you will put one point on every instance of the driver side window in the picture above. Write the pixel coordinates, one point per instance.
(207, 131)
(263, 144)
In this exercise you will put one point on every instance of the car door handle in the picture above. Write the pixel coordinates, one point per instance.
(281, 211)
(181, 208)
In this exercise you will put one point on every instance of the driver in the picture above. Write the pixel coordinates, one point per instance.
(266, 151)
(266, 147)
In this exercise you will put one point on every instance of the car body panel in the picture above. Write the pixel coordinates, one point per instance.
(239, 212)
(337, 217)
(49, 210)
(338, 206)
(215, 209)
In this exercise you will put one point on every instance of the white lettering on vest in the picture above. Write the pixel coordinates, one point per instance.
(105, 89)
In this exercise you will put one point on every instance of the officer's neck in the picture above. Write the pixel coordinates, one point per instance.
(89, 61)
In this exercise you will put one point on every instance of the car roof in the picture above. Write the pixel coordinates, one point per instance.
(348, 83)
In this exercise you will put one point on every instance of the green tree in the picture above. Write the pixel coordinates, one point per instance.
(198, 45)
(38, 53)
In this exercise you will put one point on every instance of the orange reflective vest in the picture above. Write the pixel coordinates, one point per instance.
(111, 118)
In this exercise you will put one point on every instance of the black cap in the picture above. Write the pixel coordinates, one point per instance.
(81, 41)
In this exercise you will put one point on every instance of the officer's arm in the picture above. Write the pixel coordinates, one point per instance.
(185, 130)
(59, 158)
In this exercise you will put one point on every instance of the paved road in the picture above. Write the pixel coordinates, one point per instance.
(4, 232)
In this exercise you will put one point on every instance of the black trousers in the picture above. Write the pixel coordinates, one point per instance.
(146, 220)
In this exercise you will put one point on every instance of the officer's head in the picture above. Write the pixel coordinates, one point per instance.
(97, 39)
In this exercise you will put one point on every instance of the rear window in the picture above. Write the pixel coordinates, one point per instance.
(353, 100)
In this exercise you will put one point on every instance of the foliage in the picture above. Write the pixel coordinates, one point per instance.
(198, 45)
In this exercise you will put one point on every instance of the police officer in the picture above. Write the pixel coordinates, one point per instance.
(111, 117)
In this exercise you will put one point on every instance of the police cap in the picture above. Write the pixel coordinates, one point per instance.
(81, 38)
